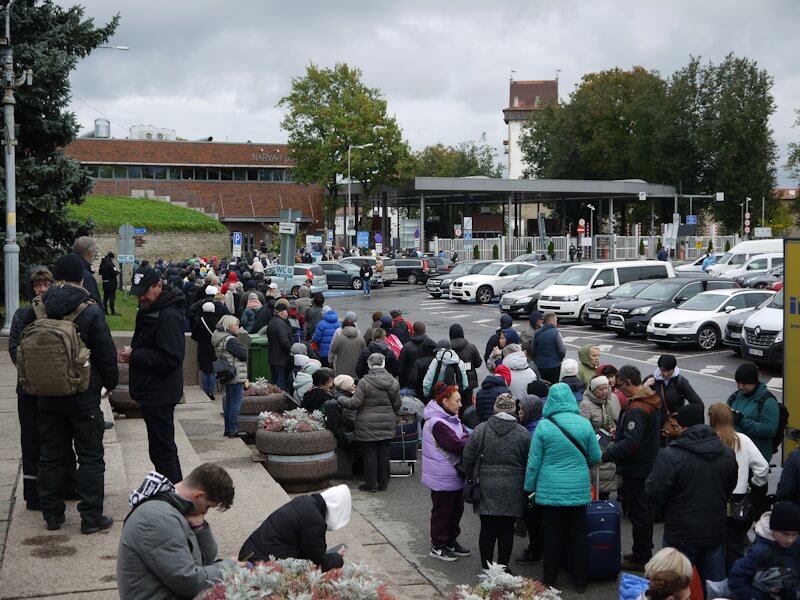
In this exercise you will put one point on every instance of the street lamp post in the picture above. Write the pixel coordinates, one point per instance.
(591, 221)
(347, 212)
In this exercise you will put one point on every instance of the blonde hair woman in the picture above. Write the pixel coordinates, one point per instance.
(227, 347)
(749, 460)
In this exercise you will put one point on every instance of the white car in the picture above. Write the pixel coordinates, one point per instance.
(696, 266)
(702, 320)
(757, 265)
(484, 286)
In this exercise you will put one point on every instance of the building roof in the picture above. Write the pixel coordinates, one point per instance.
(532, 95)
(788, 193)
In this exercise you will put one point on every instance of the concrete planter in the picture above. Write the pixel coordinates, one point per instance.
(122, 402)
(253, 405)
(300, 462)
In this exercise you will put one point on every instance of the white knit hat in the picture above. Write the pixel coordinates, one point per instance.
(596, 382)
(569, 367)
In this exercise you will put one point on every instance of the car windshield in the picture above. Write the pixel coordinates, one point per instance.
(704, 302)
(461, 269)
(576, 276)
(659, 291)
(777, 301)
(531, 274)
(724, 259)
(491, 269)
(628, 290)
(546, 282)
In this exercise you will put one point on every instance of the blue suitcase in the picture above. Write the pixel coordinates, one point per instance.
(603, 540)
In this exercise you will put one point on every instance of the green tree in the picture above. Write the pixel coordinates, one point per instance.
(468, 159)
(51, 40)
(793, 166)
(329, 110)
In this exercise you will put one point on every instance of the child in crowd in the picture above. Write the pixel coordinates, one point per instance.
(320, 392)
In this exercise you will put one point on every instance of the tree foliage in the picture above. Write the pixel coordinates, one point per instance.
(49, 39)
(793, 166)
(468, 159)
(329, 110)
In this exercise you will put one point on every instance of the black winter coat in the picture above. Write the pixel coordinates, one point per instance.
(94, 331)
(108, 273)
(279, 336)
(696, 465)
(408, 356)
(471, 358)
(789, 484)
(638, 436)
(296, 530)
(201, 334)
(158, 348)
(676, 393)
(362, 368)
(89, 282)
(264, 315)
(491, 388)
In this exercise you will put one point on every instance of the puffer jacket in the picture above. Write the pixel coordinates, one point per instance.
(376, 400)
(638, 435)
(303, 380)
(600, 414)
(586, 370)
(444, 356)
(345, 350)
(557, 471)
(323, 336)
(379, 347)
(491, 388)
(759, 420)
(497, 453)
(411, 351)
(438, 465)
(471, 358)
(531, 407)
(521, 374)
(227, 347)
(695, 465)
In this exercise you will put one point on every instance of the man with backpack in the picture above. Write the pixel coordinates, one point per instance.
(446, 366)
(756, 412)
(65, 357)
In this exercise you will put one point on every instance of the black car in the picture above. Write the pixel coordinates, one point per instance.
(761, 281)
(443, 265)
(439, 285)
(526, 300)
(596, 311)
(633, 315)
(415, 270)
(346, 275)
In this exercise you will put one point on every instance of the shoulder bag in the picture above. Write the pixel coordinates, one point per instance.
(223, 370)
(472, 484)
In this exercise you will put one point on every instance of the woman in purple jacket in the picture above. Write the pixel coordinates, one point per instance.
(443, 441)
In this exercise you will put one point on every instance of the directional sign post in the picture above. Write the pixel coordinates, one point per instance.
(691, 219)
(467, 240)
(237, 243)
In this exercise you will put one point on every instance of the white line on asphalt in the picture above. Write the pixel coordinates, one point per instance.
(571, 338)
(461, 316)
(489, 326)
(711, 369)
(605, 347)
(483, 321)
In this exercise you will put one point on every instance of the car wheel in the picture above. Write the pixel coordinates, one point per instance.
(412, 278)
(387, 283)
(357, 283)
(295, 290)
(435, 295)
(621, 333)
(708, 337)
(580, 320)
(484, 294)
(661, 344)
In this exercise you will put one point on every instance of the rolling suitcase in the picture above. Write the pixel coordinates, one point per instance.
(603, 539)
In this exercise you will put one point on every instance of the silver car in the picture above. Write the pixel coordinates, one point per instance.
(302, 272)
(389, 275)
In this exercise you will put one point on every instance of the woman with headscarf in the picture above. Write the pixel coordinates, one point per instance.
(202, 330)
(250, 312)
(496, 455)
(227, 347)
(443, 442)
(297, 530)
(602, 409)
(376, 401)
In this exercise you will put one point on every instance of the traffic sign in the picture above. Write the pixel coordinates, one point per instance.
(747, 215)
(691, 219)
(581, 229)
(642, 195)
(747, 222)
(720, 197)
(378, 238)
(378, 247)
(457, 231)
(747, 230)
(581, 222)
(237, 243)
(467, 223)
(699, 244)
(287, 228)
(467, 236)
(139, 231)
(126, 259)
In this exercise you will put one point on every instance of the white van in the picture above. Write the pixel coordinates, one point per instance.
(741, 253)
(758, 264)
(585, 282)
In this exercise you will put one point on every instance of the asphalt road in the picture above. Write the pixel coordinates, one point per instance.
(402, 514)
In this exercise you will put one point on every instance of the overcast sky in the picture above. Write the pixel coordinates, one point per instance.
(206, 67)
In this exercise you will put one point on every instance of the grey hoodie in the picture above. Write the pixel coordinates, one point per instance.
(521, 374)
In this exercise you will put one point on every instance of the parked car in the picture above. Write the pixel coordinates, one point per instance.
(346, 275)
(696, 266)
(443, 265)
(440, 284)
(596, 311)
(484, 286)
(761, 280)
(583, 283)
(389, 275)
(762, 338)
(302, 272)
(532, 276)
(531, 257)
(733, 330)
(701, 320)
(633, 315)
(526, 300)
(415, 270)
(759, 264)
(742, 252)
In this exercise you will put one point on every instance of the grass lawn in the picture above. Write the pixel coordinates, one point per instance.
(126, 305)
(109, 212)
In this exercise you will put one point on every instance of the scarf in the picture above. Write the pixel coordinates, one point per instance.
(154, 483)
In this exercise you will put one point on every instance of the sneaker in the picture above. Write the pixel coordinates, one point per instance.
(458, 549)
(54, 522)
(96, 524)
(526, 557)
(442, 553)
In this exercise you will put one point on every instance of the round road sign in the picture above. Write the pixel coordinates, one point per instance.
(581, 222)
(747, 230)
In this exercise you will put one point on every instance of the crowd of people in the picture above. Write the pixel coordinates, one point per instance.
(533, 443)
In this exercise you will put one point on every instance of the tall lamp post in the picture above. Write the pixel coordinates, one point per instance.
(591, 221)
(347, 212)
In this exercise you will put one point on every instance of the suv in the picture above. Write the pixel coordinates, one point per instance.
(595, 312)
(733, 330)
(762, 336)
(443, 265)
(389, 274)
(484, 286)
(346, 275)
(440, 284)
(302, 272)
(414, 270)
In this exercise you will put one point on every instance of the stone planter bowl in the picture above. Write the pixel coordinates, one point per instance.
(300, 462)
(254, 405)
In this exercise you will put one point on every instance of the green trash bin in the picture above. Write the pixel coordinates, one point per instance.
(258, 358)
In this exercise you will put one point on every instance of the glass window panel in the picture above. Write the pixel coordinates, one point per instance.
(187, 173)
(240, 174)
(120, 172)
(252, 174)
(160, 172)
(92, 170)
(226, 174)
(147, 172)
(134, 172)
(202, 174)
(288, 175)
(105, 172)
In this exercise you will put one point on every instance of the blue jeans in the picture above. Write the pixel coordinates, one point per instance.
(365, 283)
(209, 383)
(710, 562)
(230, 406)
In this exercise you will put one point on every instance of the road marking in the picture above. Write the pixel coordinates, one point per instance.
(461, 316)
(483, 321)
(571, 338)
(489, 326)
(776, 382)
(710, 369)
(605, 347)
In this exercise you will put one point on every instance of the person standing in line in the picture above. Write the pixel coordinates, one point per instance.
(109, 274)
(671, 386)
(601, 408)
(376, 324)
(588, 361)
(156, 358)
(227, 347)
(323, 335)
(345, 349)
(365, 272)
(86, 249)
(279, 337)
(506, 322)
(469, 355)
(443, 441)
(549, 349)
(534, 324)
(497, 454)
(755, 409)
(202, 330)
(411, 351)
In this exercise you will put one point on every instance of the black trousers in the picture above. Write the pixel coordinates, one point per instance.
(58, 431)
(551, 375)
(641, 518)
(533, 519)
(735, 542)
(497, 530)
(28, 413)
(446, 512)
(109, 296)
(564, 538)
(376, 463)
(161, 440)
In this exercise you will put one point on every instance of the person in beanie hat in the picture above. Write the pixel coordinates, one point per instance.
(497, 453)
(279, 336)
(772, 567)
(755, 409)
(695, 465)
(506, 322)
(569, 375)
(469, 355)
(534, 324)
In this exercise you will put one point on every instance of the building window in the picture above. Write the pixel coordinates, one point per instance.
(120, 172)
(249, 241)
(105, 172)
(134, 172)
(92, 170)
(252, 174)
(240, 174)
(201, 173)
(537, 102)
(226, 174)
(147, 173)
(160, 172)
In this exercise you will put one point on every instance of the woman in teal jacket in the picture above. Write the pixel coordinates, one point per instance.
(559, 474)
(755, 409)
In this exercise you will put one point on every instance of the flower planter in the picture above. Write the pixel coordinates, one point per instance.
(299, 461)
(253, 405)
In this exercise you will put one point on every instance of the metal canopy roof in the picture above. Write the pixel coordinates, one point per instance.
(542, 188)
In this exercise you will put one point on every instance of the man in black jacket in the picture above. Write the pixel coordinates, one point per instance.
(693, 479)
(365, 273)
(411, 351)
(85, 248)
(156, 365)
(279, 336)
(76, 420)
(635, 450)
(108, 273)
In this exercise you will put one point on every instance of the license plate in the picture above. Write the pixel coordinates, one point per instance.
(659, 332)
(735, 335)
(593, 316)
(505, 306)
(755, 352)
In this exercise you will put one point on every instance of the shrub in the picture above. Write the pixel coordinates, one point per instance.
(261, 387)
(495, 582)
(495, 252)
(710, 246)
(641, 248)
(476, 253)
(659, 245)
(530, 247)
(727, 245)
(551, 248)
(292, 421)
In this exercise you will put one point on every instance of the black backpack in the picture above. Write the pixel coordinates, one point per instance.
(451, 376)
(783, 417)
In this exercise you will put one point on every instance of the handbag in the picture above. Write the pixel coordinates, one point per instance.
(472, 484)
(223, 371)
(743, 510)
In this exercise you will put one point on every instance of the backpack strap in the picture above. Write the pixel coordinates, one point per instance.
(38, 308)
(77, 312)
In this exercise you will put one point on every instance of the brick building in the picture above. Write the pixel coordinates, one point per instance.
(242, 185)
